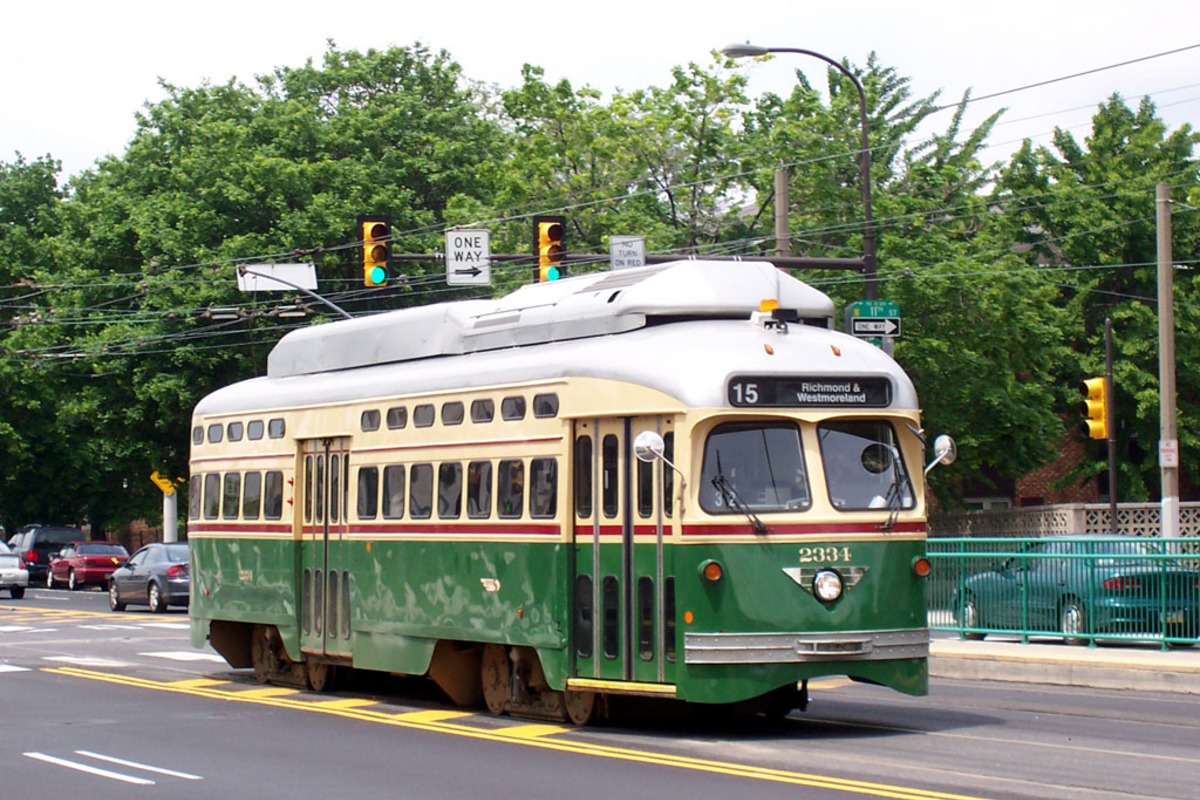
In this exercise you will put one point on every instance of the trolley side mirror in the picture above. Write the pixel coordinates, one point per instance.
(944, 452)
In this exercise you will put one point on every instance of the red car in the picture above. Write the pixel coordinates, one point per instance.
(81, 563)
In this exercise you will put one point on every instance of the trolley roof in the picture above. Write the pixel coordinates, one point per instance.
(597, 304)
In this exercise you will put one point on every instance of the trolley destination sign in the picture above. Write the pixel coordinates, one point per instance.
(798, 391)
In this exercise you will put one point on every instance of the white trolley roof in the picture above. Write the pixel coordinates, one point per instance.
(682, 328)
(589, 305)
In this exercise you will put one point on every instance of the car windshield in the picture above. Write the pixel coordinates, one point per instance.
(101, 549)
(863, 466)
(1109, 553)
(5, 548)
(756, 465)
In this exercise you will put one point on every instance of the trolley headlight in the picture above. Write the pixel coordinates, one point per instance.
(827, 585)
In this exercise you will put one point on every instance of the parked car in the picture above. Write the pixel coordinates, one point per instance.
(13, 575)
(35, 544)
(1085, 586)
(81, 563)
(156, 575)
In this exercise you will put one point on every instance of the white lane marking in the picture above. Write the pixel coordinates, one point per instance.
(109, 627)
(186, 655)
(25, 629)
(103, 773)
(89, 661)
(187, 776)
(13, 668)
(170, 626)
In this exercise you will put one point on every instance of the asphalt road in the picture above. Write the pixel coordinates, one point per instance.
(82, 689)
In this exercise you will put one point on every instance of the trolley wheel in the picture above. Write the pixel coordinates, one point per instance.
(496, 673)
(262, 656)
(320, 674)
(580, 706)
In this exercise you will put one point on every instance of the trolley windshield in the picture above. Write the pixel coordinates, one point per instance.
(754, 466)
(863, 466)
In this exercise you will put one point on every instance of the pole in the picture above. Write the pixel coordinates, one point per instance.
(870, 268)
(783, 244)
(1110, 423)
(171, 516)
(1168, 442)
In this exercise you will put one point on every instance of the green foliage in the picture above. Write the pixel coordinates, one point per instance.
(1004, 275)
(1087, 213)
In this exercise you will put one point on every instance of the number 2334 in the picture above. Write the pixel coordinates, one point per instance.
(824, 555)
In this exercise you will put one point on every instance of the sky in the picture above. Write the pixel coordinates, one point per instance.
(73, 75)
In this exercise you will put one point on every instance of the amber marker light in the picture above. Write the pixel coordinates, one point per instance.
(711, 571)
(768, 305)
(770, 350)
(922, 567)
(688, 617)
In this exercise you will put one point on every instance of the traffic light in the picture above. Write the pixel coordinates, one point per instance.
(1095, 407)
(548, 247)
(376, 249)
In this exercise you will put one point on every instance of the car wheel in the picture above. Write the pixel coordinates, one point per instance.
(970, 617)
(49, 579)
(1072, 621)
(71, 584)
(114, 597)
(18, 592)
(154, 595)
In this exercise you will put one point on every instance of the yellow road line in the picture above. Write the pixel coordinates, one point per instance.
(196, 683)
(533, 731)
(432, 721)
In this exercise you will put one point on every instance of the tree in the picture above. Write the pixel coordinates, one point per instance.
(1086, 213)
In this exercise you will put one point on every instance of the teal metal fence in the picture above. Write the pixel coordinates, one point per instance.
(1078, 588)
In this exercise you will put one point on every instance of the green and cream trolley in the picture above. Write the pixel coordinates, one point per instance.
(673, 481)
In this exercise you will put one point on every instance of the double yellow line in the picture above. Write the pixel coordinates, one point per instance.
(533, 735)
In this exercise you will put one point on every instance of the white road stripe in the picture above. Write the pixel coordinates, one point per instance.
(170, 626)
(103, 773)
(89, 661)
(13, 668)
(25, 629)
(186, 655)
(134, 764)
(109, 627)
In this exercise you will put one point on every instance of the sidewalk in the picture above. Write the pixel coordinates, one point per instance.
(1105, 666)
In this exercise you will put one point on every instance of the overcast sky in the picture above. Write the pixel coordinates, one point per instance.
(73, 74)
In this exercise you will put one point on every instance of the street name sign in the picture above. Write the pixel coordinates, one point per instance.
(873, 318)
(468, 257)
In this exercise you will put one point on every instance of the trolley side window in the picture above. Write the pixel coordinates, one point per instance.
(194, 497)
(450, 489)
(863, 466)
(368, 492)
(479, 489)
(231, 495)
(252, 495)
(756, 466)
(543, 488)
(583, 476)
(610, 486)
(420, 491)
(510, 489)
(212, 495)
(273, 495)
(393, 491)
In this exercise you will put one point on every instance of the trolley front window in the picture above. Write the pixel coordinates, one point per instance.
(863, 466)
(755, 465)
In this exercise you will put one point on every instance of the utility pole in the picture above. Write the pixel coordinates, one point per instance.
(1168, 442)
(783, 244)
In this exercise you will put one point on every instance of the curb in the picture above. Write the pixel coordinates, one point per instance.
(1102, 667)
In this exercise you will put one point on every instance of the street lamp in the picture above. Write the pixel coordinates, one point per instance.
(871, 288)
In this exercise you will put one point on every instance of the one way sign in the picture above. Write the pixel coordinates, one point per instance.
(875, 326)
(468, 257)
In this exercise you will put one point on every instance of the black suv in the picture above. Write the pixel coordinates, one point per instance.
(36, 543)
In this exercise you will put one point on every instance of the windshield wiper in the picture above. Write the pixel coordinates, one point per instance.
(892, 499)
(733, 500)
